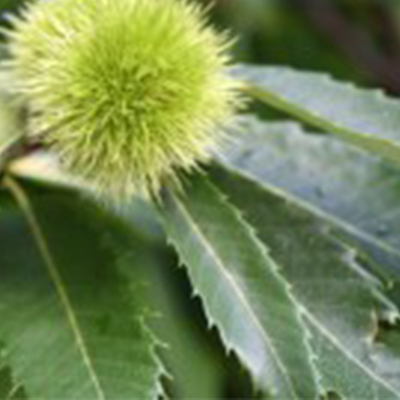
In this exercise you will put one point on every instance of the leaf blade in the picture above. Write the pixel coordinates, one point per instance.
(192, 373)
(122, 362)
(338, 297)
(357, 193)
(239, 313)
(364, 118)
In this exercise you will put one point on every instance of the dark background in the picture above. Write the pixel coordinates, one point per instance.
(351, 39)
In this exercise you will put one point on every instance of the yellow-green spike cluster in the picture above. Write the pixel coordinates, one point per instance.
(127, 92)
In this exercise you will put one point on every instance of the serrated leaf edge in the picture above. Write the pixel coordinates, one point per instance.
(212, 323)
(303, 310)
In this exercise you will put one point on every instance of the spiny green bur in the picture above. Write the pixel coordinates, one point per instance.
(127, 92)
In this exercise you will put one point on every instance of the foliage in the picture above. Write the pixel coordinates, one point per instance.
(271, 272)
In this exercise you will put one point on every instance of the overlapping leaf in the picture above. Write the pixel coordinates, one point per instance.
(340, 299)
(150, 262)
(71, 327)
(191, 373)
(350, 195)
(241, 288)
(358, 192)
(365, 118)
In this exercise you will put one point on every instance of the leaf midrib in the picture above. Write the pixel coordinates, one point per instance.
(307, 115)
(346, 134)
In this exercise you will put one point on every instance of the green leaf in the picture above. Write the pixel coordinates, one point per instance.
(358, 193)
(71, 325)
(241, 288)
(340, 298)
(365, 118)
(193, 374)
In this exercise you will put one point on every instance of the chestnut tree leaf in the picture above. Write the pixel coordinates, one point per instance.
(71, 324)
(340, 298)
(366, 118)
(320, 205)
(242, 290)
(356, 191)
(192, 373)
